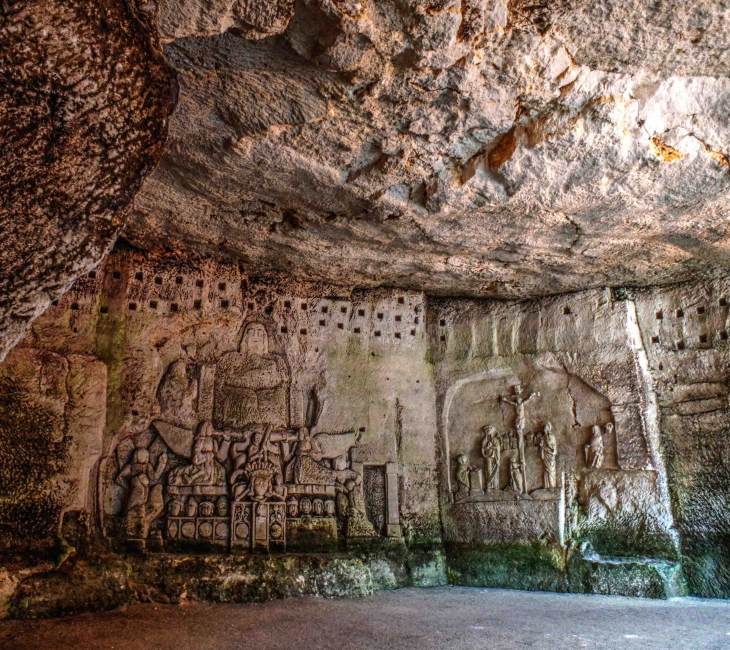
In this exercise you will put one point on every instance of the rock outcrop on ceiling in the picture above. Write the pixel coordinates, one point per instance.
(84, 97)
(484, 147)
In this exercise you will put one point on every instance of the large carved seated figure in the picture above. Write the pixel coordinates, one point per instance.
(206, 467)
(251, 385)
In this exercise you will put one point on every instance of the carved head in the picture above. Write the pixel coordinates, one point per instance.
(548, 427)
(292, 507)
(176, 506)
(255, 340)
(518, 389)
(461, 459)
(261, 483)
(206, 429)
(141, 455)
(489, 431)
(596, 430)
(191, 507)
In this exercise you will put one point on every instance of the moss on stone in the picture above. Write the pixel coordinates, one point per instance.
(545, 566)
(706, 564)
(532, 566)
(427, 566)
(630, 538)
(646, 578)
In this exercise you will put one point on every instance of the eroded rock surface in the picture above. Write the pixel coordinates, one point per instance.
(492, 148)
(85, 97)
(188, 410)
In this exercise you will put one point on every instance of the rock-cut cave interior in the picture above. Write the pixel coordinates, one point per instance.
(346, 299)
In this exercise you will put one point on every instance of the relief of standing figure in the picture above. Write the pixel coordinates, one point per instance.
(516, 483)
(594, 451)
(549, 455)
(462, 474)
(144, 501)
(492, 453)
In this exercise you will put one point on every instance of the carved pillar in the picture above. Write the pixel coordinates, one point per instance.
(296, 406)
(631, 444)
(206, 387)
(391, 495)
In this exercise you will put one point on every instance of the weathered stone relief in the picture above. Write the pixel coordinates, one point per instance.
(594, 450)
(486, 484)
(530, 412)
(241, 474)
(244, 479)
(230, 403)
(52, 410)
(684, 329)
(193, 409)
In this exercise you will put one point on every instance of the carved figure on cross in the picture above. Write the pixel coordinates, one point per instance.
(518, 401)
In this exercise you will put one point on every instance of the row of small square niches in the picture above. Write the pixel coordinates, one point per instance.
(679, 312)
(702, 339)
(320, 315)
(444, 324)
(224, 286)
(320, 311)
(360, 316)
(159, 281)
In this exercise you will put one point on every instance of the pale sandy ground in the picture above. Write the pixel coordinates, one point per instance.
(450, 618)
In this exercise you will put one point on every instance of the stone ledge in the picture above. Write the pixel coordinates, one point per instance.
(541, 566)
(115, 580)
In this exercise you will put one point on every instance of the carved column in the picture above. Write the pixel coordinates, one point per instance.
(391, 495)
(206, 388)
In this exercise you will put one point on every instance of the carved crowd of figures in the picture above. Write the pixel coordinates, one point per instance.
(509, 448)
(224, 438)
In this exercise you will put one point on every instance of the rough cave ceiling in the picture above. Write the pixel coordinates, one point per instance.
(483, 147)
(497, 148)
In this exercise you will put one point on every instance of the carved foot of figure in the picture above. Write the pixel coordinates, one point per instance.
(545, 494)
(358, 525)
(499, 495)
(460, 496)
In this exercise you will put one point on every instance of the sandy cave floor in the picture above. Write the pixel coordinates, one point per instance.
(453, 618)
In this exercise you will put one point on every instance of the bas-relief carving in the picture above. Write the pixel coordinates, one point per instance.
(223, 465)
(511, 449)
(514, 447)
(594, 450)
(492, 453)
(144, 501)
(519, 402)
(52, 411)
(251, 385)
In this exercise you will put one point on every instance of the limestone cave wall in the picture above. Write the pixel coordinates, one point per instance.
(685, 331)
(178, 408)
